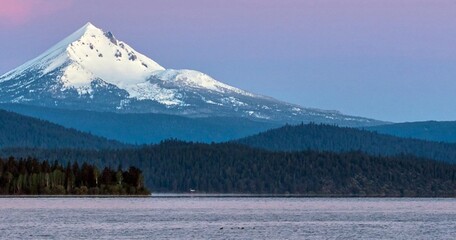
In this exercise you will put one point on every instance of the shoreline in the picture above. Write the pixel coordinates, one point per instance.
(74, 196)
(223, 195)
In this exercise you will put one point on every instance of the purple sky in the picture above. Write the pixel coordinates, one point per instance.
(385, 59)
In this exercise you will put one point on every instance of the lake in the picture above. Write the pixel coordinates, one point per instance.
(176, 217)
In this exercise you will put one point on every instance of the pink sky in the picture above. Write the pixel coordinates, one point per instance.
(16, 12)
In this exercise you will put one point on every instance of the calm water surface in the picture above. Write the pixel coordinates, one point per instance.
(227, 218)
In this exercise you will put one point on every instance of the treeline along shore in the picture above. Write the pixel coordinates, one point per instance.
(177, 167)
(33, 177)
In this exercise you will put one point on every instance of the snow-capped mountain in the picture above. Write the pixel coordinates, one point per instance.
(92, 70)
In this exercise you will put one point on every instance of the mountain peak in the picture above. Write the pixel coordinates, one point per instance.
(89, 25)
(87, 30)
(89, 54)
(56, 52)
(91, 69)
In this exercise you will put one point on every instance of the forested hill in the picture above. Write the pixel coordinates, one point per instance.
(232, 168)
(21, 131)
(444, 131)
(146, 128)
(341, 139)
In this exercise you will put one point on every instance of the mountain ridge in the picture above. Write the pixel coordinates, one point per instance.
(93, 70)
(22, 131)
(323, 137)
(439, 131)
(146, 128)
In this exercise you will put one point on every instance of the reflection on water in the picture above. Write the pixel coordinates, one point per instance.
(234, 217)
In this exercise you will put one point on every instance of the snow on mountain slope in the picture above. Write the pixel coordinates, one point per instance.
(92, 70)
(197, 79)
(88, 54)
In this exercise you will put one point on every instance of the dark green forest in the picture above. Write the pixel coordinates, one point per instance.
(21, 131)
(175, 166)
(311, 159)
(342, 139)
(32, 177)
